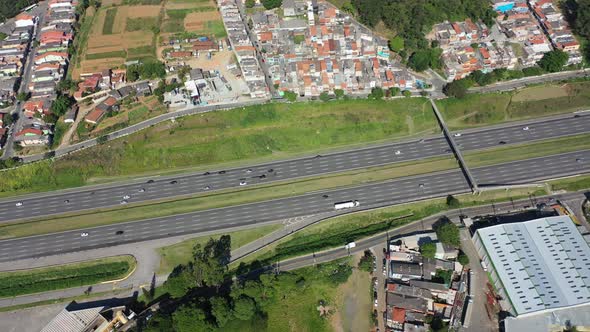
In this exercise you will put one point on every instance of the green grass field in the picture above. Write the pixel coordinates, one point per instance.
(105, 55)
(253, 134)
(141, 23)
(181, 253)
(109, 21)
(571, 184)
(485, 109)
(65, 276)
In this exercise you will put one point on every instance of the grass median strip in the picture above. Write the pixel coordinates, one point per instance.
(223, 198)
(65, 276)
(505, 153)
(571, 184)
(340, 230)
(182, 252)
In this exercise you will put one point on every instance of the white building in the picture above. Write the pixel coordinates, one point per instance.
(537, 266)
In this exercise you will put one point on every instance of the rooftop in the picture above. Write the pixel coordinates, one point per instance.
(542, 263)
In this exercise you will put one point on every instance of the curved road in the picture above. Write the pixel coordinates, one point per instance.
(54, 203)
(370, 196)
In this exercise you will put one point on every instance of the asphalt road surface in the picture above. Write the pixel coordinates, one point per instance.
(53, 203)
(370, 196)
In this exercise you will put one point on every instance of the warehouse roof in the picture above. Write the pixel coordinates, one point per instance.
(542, 263)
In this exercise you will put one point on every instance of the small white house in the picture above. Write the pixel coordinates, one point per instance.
(24, 20)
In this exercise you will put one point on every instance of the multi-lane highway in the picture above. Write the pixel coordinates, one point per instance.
(62, 202)
(370, 196)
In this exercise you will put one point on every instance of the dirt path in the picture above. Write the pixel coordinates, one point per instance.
(82, 111)
(355, 303)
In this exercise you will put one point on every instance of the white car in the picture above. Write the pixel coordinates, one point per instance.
(398, 152)
(207, 188)
(249, 170)
(142, 190)
(84, 234)
(19, 203)
(457, 135)
(243, 183)
(123, 202)
(525, 128)
(376, 303)
(126, 197)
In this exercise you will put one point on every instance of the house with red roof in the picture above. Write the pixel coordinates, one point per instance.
(95, 116)
(24, 20)
(55, 36)
(59, 57)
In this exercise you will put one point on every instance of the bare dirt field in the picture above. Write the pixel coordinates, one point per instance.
(143, 11)
(354, 303)
(108, 3)
(541, 92)
(92, 66)
(196, 21)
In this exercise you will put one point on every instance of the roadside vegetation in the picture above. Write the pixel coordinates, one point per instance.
(65, 276)
(207, 298)
(491, 108)
(338, 231)
(182, 252)
(251, 134)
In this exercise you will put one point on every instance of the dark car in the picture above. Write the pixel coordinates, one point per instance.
(221, 172)
(173, 182)
(270, 170)
(206, 173)
(150, 181)
(325, 196)
(502, 142)
(120, 232)
(263, 176)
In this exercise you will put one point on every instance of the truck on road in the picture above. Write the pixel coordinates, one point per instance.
(346, 205)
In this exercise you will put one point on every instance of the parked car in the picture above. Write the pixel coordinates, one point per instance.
(84, 234)
(19, 204)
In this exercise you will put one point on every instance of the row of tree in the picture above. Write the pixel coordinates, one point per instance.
(208, 297)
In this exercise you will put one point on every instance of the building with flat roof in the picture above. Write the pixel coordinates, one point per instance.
(537, 265)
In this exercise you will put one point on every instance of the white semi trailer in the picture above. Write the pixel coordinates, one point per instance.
(346, 205)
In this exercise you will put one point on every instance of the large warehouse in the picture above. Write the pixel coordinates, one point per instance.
(537, 266)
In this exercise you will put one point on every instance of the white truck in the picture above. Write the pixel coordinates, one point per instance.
(350, 245)
(346, 205)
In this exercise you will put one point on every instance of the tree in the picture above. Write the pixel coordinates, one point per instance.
(250, 3)
(366, 262)
(447, 232)
(244, 307)
(348, 8)
(339, 93)
(428, 249)
(376, 93)
(67, 85)
(290, 95)
(324, 96)
(407, 93)
(102, 139)
(396, 44)
(419, 60)
(271, 4)
(22, 96)
(221, 311)
(394, 92)
(452, 201)
(463, 259)
(457, 88)
(189, 319)
(553, 61)
(61, 105)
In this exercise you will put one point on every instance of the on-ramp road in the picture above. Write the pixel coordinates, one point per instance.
(52, 203)
(370, 196)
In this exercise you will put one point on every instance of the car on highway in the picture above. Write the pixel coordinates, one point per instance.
(207, 188)
(325, 196)
(119, 232)
(525, 128)
(141, 190)
(221, 172)
(249, 170)
(66, 201)
(150, 181)
(502, 142)
(126, 197)
(270, 170)
(457, 135)
(84, 234)
(398, 152)
(243, 183)
(206, 173)
(19, 203)
(173, 182)
(123, 202)
(579, 160)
